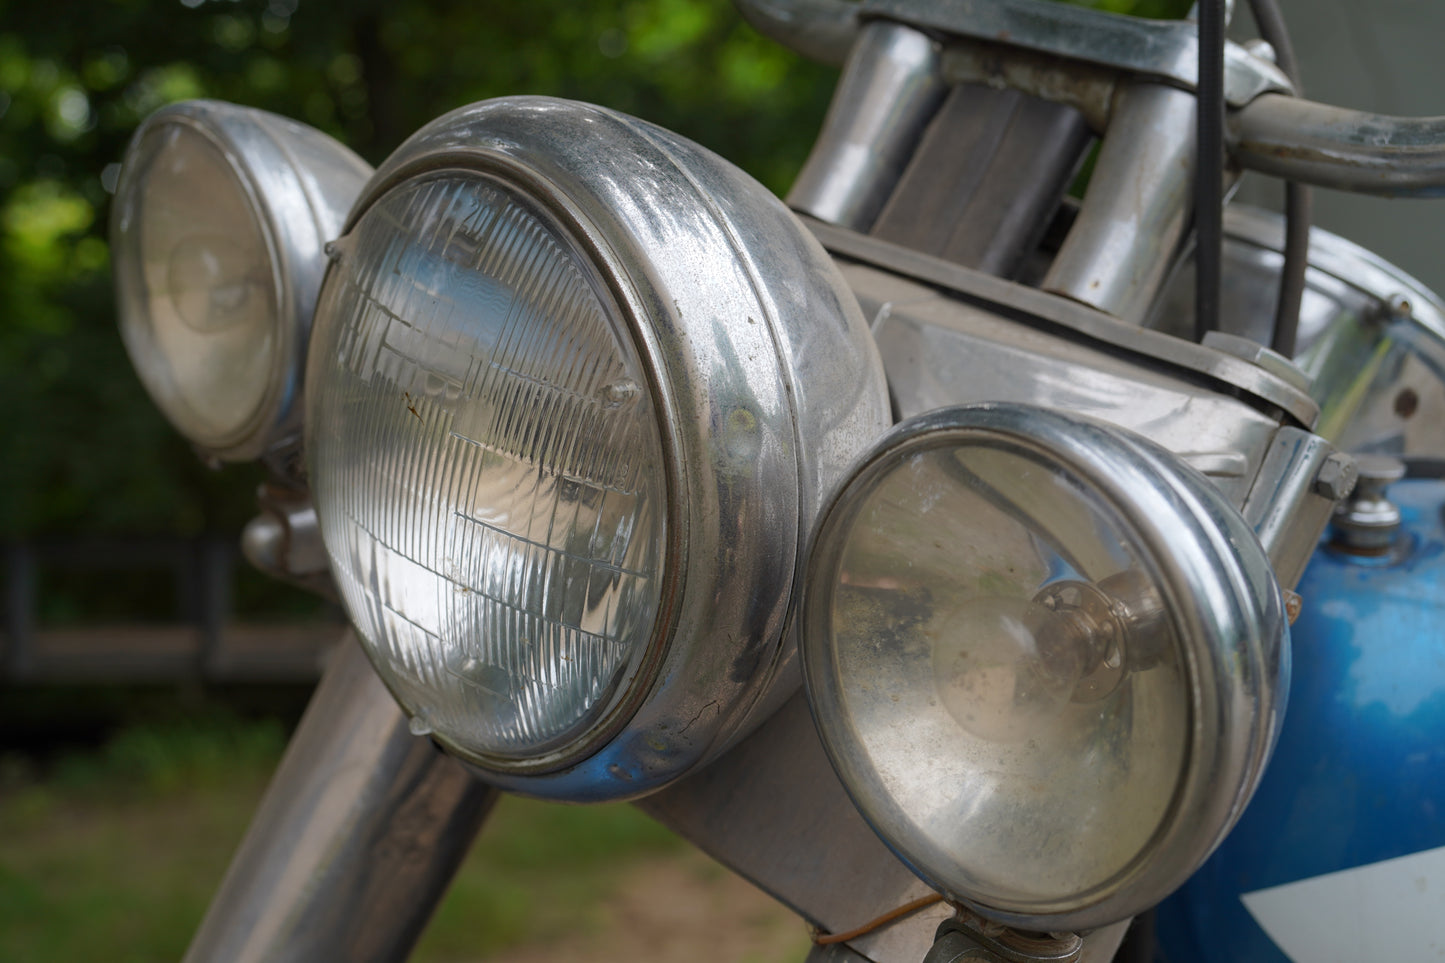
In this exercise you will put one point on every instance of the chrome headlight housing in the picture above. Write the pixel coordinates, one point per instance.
(576, 390)
(220, 218)
(1046, 658)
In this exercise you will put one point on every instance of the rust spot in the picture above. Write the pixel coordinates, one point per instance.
(1293, 604)
(1406, 402)
(411, 406)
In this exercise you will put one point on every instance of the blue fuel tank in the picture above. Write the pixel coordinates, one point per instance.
(1341, 854)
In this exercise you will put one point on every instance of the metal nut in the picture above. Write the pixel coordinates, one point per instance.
(1336, 477)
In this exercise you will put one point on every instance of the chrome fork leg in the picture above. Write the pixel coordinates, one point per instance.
(356, 839)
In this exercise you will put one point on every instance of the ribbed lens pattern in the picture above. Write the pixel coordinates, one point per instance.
(487, 463)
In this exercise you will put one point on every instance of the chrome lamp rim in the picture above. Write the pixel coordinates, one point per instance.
(299, 185)
(679, 237)
(1235, 652)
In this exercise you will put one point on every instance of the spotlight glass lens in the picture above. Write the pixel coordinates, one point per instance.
(198, 294)
(997, 652)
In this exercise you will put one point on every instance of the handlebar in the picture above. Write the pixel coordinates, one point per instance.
(1285, 136)
(1350, 150)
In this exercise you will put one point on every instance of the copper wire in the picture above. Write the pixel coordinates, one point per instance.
(827, 939)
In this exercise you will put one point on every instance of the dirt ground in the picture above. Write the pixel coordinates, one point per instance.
(679, 910)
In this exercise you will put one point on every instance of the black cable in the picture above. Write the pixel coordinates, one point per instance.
(1269, 21)
(1298, 202)
(1209, 178)
(1297, 199)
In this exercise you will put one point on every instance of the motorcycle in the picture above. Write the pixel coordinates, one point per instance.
(924, 549)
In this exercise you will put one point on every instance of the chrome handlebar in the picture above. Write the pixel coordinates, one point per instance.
(1268, 131)
(1350, 150)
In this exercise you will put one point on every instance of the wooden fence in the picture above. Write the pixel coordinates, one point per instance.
(201, 641)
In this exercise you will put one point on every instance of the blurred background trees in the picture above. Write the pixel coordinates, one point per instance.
(95, 854)
(82, 450)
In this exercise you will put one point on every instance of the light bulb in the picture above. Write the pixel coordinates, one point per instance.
(1005, 668)
(1002, 670)
(210, 282)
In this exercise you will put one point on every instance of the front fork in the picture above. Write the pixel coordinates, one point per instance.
(357, 837)
(364, 825)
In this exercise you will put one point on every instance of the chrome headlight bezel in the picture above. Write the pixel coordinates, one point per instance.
(765, 380)
(1218, 589)
(298, 184)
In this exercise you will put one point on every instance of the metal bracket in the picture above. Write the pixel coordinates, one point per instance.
(1016, 301)
(284, 541)
(1164, 50)
(1291, 499)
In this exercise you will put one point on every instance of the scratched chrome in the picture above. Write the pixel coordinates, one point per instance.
(1165, 50)
(357, 837)
(766, 382)
(939, 350)
(1161, 49)
(1133, 217)
(1349, 150)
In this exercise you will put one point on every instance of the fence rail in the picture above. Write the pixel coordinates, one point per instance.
(203, 641)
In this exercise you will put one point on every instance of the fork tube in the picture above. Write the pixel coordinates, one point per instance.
(357, 837)
(1136, 209)
(889, 90)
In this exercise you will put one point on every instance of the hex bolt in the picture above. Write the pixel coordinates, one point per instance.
(1336, 477)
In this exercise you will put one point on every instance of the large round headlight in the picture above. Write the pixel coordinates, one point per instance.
(221, 214)
(1045, 658)
(486, 362)
(577, 386)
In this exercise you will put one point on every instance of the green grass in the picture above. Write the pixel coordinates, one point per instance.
(537, 871)
(113, 854)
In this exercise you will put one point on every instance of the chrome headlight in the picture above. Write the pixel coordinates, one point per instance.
(576, 389)
(1045, 657)
(219, 222)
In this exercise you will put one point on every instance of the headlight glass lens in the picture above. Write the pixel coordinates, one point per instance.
(485, 448)
(198, 296)
(1012, 693)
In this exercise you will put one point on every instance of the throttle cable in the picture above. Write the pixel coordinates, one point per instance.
(1297, 197)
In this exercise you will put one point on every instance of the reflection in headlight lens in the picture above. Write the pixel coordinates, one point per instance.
(980, 658)
(487, 461)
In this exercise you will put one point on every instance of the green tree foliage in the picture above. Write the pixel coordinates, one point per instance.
(82, 448)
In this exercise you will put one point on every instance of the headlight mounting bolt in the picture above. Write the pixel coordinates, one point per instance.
(1367, 522)
(1336, 478)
